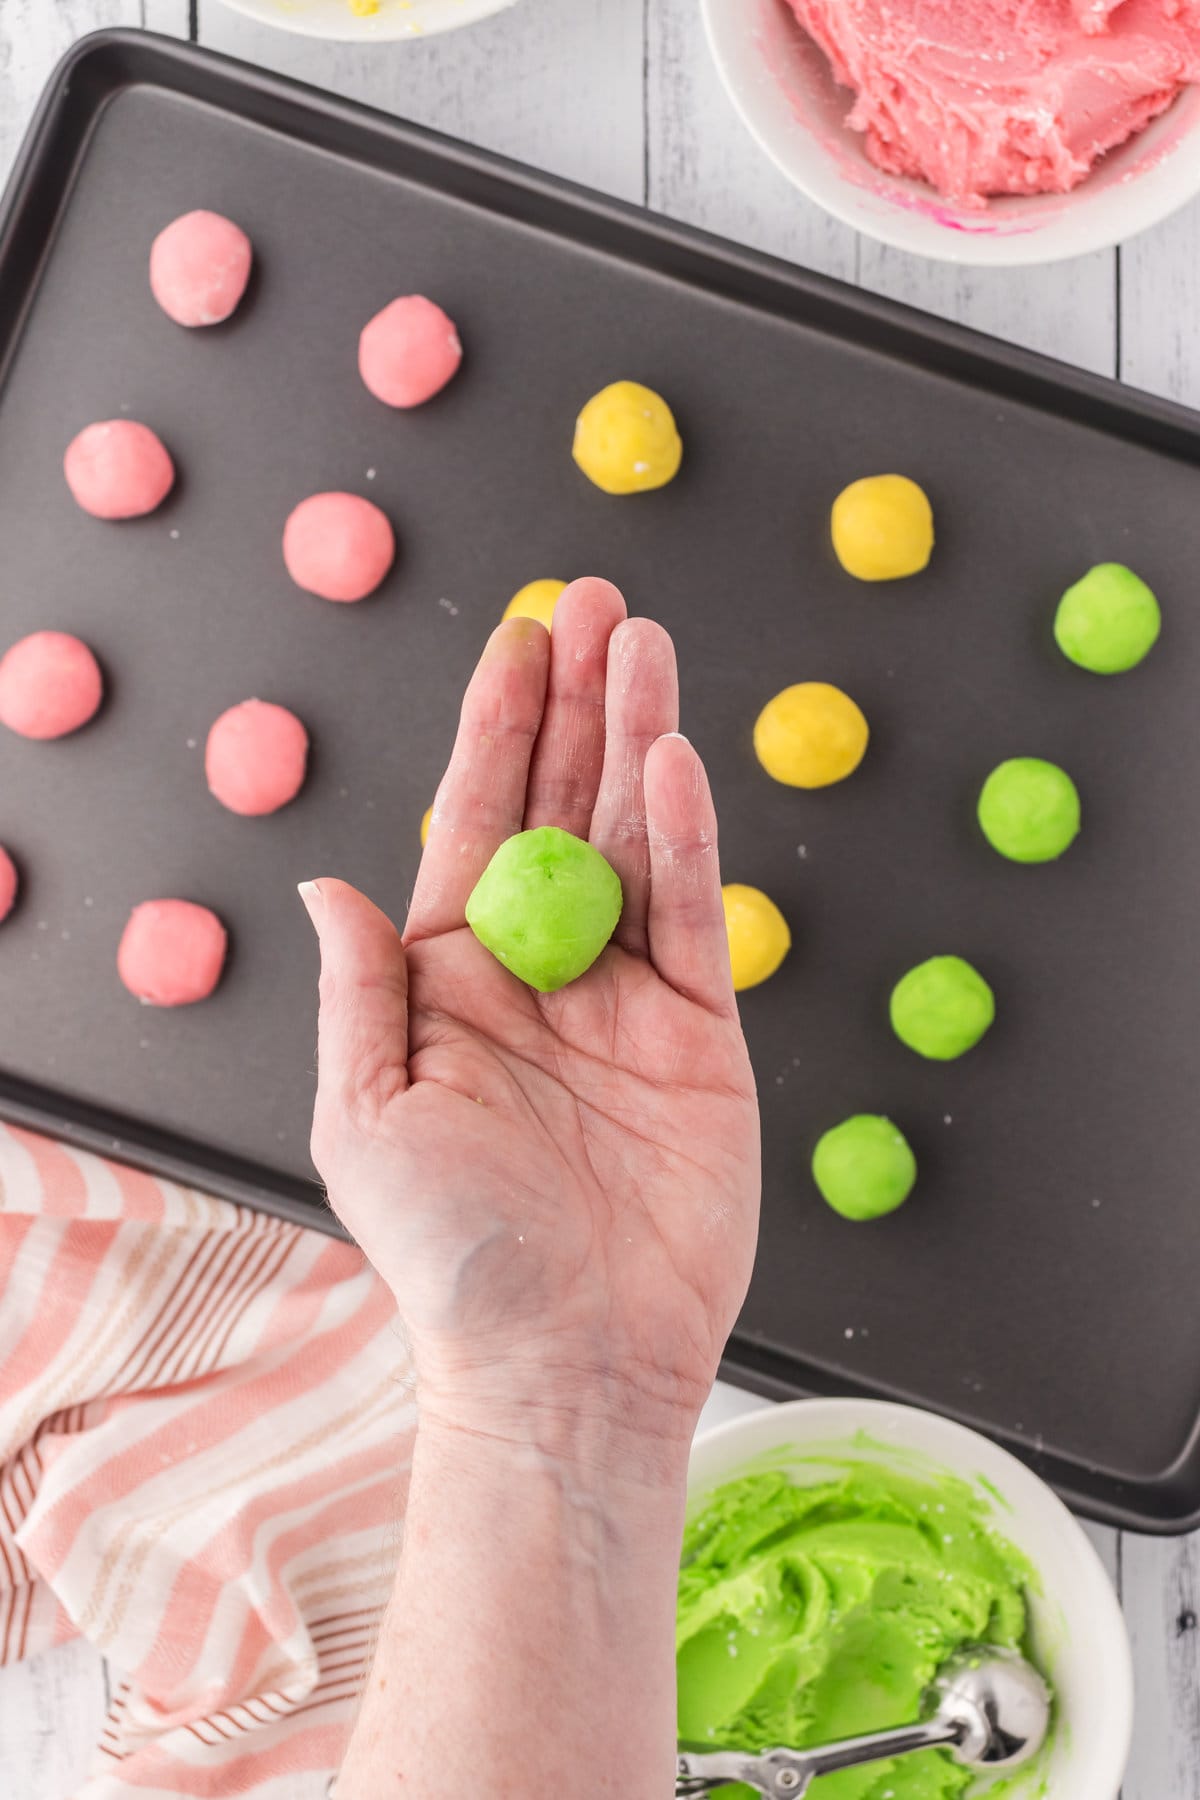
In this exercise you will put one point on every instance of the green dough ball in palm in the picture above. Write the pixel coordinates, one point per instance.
(1108, 621)
(942, 1008)
(864, 1167)
(1029, 810)
(545, 906)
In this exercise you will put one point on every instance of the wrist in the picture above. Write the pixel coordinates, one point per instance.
(623, 1425)
(619, 1522)
(537, 1582)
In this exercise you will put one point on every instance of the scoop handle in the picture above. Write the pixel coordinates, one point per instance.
(786, 1774)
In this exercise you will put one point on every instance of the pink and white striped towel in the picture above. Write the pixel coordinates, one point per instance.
(206, 1422)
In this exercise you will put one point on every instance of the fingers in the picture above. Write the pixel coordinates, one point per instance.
(570, 750)
(686, 925)
(481, 798)
(642, 704)
(362, 1030)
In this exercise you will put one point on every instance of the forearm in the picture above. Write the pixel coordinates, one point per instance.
(528, 1648)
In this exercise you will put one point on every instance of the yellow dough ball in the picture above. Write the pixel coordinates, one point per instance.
(759, 938)
(882, 528)
(426, 816)
(626, 440)
(536, 600)
(810, 736)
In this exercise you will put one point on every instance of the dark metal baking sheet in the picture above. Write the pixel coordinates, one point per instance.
(1042, 1283)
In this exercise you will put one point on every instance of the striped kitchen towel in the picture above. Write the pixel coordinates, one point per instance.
(206, 1422)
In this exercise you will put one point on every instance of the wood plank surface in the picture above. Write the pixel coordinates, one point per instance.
(1160, 308)
(35, 33)
(556, 85)
(52, 1708)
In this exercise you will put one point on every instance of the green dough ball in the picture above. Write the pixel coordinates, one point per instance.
(864, 1167)
(545, 906)
(1108, 621)
(942, 1008)
(1029, 810)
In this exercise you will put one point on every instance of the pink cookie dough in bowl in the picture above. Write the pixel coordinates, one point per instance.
(50, 685)
(10, 881)
(989, 132)
(409, 351)
(118, 469)
(171, 952)
(199, 267)
(338, 546)
(255, 758)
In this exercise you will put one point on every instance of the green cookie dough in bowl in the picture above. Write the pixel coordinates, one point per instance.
(864, 1167)
(818, 1610)
(942, 1008)
(545, 906)
(1108, 621)
(838, 1552)
(1029, 810)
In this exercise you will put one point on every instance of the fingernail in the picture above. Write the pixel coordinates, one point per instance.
(676, 734)
(313, 899)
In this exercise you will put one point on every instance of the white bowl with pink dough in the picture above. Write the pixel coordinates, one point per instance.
(782, 85)
(1078, 1633)
(393, 21)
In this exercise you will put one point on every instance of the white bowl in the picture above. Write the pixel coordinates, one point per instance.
(396, 19)
(1078, 1632)
(781, 84)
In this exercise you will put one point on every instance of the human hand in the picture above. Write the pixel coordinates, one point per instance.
(562, 1189)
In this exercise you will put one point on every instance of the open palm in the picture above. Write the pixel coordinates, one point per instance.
(565, 1183)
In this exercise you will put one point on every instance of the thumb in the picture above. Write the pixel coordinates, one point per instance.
(362, 1032)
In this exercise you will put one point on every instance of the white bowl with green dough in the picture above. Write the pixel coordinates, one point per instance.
(862, 1544)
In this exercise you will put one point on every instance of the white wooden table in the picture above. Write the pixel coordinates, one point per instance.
(620, 94)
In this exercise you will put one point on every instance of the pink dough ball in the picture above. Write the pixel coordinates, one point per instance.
(408, 351)
(338, 546)
(255, 757)
(50, 684)
(199, 267)
(118, 469)
(9, 883)
(171, 952)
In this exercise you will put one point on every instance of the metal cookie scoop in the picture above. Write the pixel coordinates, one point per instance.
(987, 1706)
